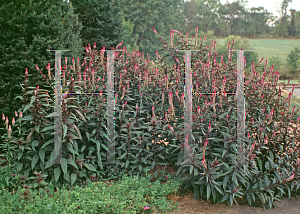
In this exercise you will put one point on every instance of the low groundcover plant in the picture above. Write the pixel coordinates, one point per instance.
(130, 195)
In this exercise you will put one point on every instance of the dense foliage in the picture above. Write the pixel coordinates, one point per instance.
(269, 165)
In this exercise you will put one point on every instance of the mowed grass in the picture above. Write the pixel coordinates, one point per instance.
(271, 47)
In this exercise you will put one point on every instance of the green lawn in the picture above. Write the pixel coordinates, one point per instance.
(271, 47)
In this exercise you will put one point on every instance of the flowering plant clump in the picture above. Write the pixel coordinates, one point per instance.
(149, 107)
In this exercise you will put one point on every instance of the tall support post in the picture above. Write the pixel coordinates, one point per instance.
(188, 103)
(241, 111)
(240, 93)
(110, 108)
(57, 109)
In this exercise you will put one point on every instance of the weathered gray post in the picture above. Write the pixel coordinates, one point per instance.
(57, 109)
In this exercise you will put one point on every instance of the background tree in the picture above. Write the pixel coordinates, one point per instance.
(283, 32)
(102, 23)
(27, 30)
(145, 15)
(204, 14)
(293, 59)
(234, 14)
(238, 44)
(258, 19)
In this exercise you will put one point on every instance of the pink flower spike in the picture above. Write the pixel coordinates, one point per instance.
(146, 208)
(261, 60)
(26, 72)
(290, 178)
(3, 117)
(13, 121)
(20, 114)
(9, 128)
(209, 127)
(206, 142)
(266, 141)
(6, 121)
(94, 45)
(37, 68)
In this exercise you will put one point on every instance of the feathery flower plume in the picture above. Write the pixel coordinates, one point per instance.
(153, 113)
(290, 178)
(3, 117)
(123, 93)
(13, 121)
(6, 122)
(9, 132)
(251, 149)
(155, 31)
(49, 73)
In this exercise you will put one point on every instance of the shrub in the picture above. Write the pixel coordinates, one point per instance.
(239, 43)
(292, 60)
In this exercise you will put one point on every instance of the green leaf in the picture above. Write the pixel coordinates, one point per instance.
(32, 100)
(73, 178)
(42, 155)
(126, 164)
(65, 128)
(27, 118)
(224, 198)
(140, 168)
(191, 169)
(63, 163)
(53, 114)
(35, 143)
(27, 107)
(90, 167)
(208, 191)
(259, 163)
(144, 160)
(47, 143)
(72, 162)
(37, 129)
(57, 172)
(72, 150)
(78, 131)
(155, 174)
(153, 164)
(271, 155)
(48, 128)
(81, 115)
(34, 160)
(223, 153)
